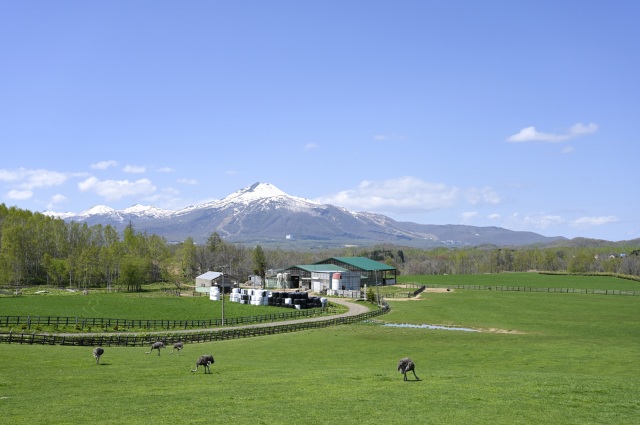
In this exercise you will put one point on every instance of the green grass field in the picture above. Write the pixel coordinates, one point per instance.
(536, 280)
(122, 305)
(568, 359)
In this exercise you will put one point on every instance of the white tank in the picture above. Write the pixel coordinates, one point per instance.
(335, 281)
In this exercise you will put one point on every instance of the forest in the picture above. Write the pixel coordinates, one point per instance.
(36, 249)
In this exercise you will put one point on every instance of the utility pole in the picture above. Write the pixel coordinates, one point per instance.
(222, 292)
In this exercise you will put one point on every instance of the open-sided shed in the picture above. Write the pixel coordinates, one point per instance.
(373, 272)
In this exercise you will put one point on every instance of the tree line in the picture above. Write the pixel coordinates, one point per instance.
(38, 249)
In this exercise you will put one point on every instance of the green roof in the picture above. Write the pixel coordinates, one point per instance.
(319, 268)
(362, 263)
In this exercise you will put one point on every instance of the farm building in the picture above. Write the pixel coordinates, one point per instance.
(205, 281)
(372, 272)
(335, 281)
(300, 276)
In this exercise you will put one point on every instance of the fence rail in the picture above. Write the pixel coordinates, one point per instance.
(405, 294)
(140, 340)
(537, 289)
(93, 322)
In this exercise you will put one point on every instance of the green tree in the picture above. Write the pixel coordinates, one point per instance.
(188, 259)
(259, 263)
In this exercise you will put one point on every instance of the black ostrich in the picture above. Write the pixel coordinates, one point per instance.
(97, 352)
(177, 346)
(205, 360)
(405, 365)
(156, 346)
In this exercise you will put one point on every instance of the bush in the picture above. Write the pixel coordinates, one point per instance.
(371, 296)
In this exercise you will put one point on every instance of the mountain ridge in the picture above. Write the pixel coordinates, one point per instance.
(262, 213)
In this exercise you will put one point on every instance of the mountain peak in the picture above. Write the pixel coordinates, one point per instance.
(146, 210)
(256, 191)
(97, 210)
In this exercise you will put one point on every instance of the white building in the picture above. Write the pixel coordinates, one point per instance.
(205, 281)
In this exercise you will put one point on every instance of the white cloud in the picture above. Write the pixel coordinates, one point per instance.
(57, 198)
(482, 195)
(534, 220)
(388, 137)
(166, 170)
(494, 216)
(133, 169)
(580, 129)
(9, 176)
(32, 179)
(19, 195)
(113, 190)
(468, 216)
(405, 194)
(530, 134)
(568, 149)
(103, 165)
(311, 146)
(168, 198)
(593, 221)
(188, 181)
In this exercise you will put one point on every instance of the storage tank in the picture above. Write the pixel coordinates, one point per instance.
(335, 281)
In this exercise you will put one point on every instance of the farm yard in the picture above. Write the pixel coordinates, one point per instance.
(534, 358)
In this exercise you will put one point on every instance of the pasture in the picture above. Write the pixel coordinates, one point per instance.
(148, 305)
(541, 358)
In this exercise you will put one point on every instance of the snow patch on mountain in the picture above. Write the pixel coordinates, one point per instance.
(98, 210)
(146, 211)
(264, 192)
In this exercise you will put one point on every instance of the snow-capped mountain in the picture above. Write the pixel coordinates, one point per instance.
(262, 213)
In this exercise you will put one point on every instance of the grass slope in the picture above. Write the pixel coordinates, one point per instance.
(573, 362)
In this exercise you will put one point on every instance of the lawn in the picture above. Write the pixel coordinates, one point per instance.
(530, 279)
(152, 305)
(123, 305)
(568, 359)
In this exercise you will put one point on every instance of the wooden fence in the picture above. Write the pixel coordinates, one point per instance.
(537, 289)
(99, 322)
(140, 340)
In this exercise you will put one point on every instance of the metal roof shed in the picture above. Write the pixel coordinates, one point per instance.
(373, 271)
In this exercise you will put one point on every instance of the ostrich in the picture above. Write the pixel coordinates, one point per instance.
(97, 352)
(205, 360)
(405, 365)
(177, 346)
(156, 346)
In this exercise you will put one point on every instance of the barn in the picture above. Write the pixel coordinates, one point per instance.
(372, 272)
(205, 281)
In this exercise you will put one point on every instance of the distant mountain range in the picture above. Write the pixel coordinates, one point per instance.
(263, 214)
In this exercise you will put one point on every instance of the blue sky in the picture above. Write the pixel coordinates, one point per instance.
(517, 114)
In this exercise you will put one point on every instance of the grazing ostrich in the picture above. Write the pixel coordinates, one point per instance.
(405, 365)
(177, 346)
(205, 360)
(97, 352)
(156, 346)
